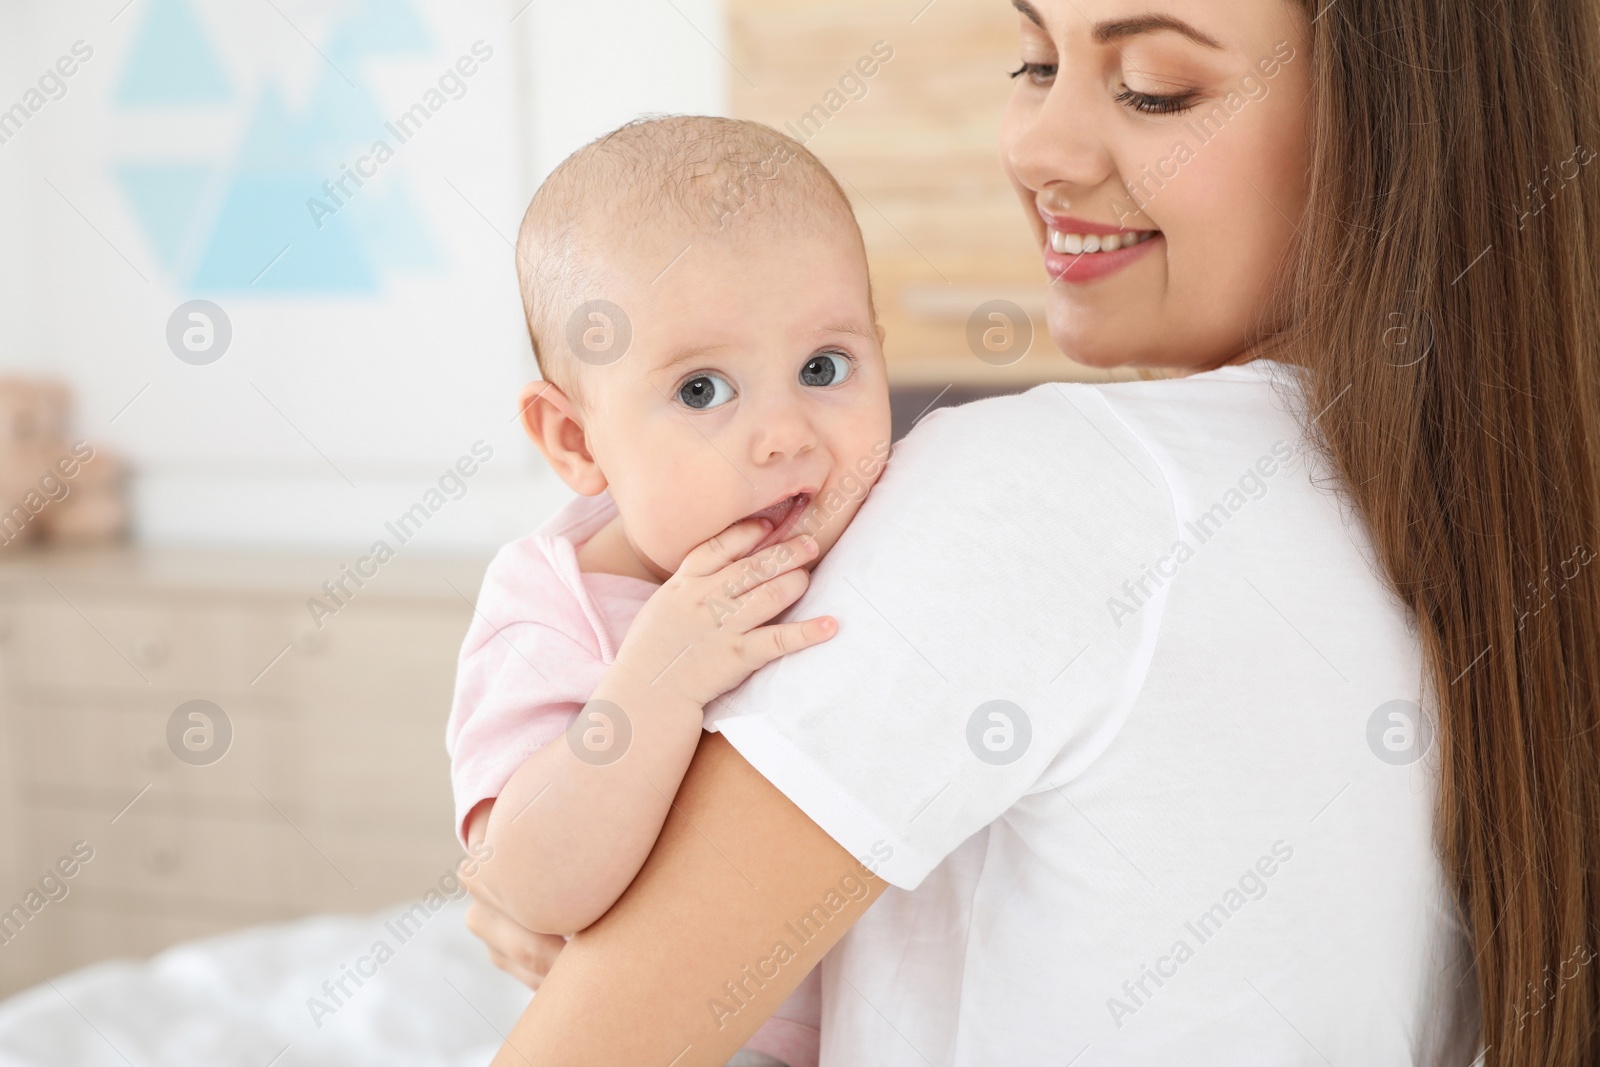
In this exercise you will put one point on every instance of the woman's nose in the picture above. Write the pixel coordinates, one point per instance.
(1060, 141)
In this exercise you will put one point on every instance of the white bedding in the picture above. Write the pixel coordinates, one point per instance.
(245, 1000)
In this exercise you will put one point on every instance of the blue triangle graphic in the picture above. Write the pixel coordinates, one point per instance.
(264, 239)
(173, 61)
(381, 28)
(271, 139)
(265, 242)
(391, 227)
(336, 125)
(165, 197)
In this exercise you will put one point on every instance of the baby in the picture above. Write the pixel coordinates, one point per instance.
(713, 386)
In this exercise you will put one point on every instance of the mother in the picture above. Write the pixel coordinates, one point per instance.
(1251, 715)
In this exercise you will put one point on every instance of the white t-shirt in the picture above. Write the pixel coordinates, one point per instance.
(1121, 708)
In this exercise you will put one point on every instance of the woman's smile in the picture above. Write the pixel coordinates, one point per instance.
(1077, 250)
(1090, 264)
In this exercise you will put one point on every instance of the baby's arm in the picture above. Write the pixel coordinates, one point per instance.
(574, 824)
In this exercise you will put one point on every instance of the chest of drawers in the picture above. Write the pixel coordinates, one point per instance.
(314, 780)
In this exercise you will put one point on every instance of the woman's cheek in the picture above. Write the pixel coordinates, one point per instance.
(1202, 214)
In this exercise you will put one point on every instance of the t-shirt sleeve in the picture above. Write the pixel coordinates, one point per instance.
(521, 676)
(998, 611)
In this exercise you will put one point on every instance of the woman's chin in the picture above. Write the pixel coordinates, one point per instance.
(1089, 347)
(1085, 333)
(1098, 359)
(1116, 342)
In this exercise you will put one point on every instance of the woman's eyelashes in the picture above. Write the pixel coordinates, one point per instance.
(705, 390)
(1039, 73)
(1151, 104)
(1147, 103)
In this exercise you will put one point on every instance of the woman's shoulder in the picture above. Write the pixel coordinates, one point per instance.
(1119, 439)
(1045, 419)
(1244, 385)
(1006, 488)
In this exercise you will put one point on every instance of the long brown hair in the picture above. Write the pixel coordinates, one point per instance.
(1445, 296)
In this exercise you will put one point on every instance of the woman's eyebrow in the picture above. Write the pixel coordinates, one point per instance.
(1117, 29)
(1106, 32)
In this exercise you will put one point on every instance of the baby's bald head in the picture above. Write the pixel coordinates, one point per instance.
(618, 210)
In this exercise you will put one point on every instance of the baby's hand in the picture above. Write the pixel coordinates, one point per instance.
(701, 633)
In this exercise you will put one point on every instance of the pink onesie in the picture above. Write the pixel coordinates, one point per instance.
(543, 635)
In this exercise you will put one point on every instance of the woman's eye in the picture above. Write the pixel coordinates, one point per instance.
(1038, 73)
(701, 392)
(1151, 104)
(1147, 103)
(826, 368)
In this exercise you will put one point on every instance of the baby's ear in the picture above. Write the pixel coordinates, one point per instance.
(881, 333)
(554, 423)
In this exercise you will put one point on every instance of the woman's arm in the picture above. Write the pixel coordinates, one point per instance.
(741, 897)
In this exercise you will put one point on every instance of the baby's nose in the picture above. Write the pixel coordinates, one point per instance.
(783, 430)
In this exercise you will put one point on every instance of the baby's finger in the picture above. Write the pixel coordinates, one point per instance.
(743, 575)
(767, 643)
(724, 548)
(770, 597)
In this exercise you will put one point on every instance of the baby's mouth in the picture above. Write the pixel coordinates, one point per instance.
(785, 514)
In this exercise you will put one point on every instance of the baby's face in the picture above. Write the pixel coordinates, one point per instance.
(754, 376)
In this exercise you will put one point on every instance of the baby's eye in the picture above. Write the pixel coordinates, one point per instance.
(827, 368)
(701, 392)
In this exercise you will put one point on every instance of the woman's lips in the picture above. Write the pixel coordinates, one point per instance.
(1071, 246)
(1088, 266)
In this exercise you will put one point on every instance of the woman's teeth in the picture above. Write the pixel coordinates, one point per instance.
(1073, 243)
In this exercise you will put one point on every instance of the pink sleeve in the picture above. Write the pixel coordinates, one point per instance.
(528, 664)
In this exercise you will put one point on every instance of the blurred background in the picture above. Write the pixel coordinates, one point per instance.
(242, 345)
